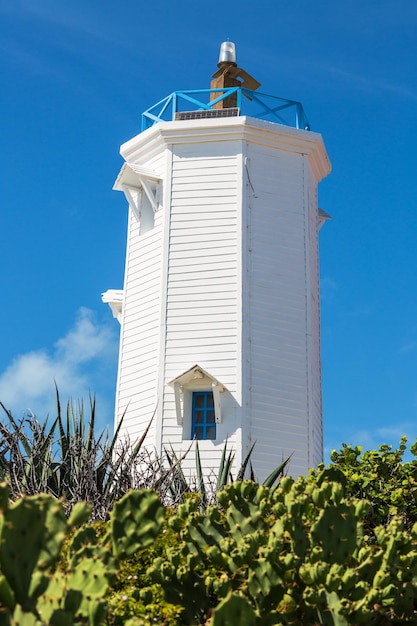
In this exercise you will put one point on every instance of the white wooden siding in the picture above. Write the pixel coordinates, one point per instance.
(316, 426)
(202, 312)
(140, 337)
(139, 341)
(276, 327)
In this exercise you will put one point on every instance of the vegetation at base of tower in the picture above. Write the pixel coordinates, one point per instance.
(208, 486)
(66, 459)
(297, 555)
(382, 477)
(311, 552)
(69, 460)
(42, 583)
(338, 547)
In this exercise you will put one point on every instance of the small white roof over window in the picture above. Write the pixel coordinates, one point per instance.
(114, 298)
(132, 174)
(193, 375)
(195, 379)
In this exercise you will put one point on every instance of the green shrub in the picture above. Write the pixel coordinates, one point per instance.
(383, 478)
(337, 548)
(133, 595)
(296, 556)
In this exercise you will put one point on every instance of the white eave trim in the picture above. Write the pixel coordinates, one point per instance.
(131, 172)
(268, 134)
(114, 298)
(195, 373)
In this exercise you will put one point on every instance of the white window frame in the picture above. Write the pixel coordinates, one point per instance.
(195, 379)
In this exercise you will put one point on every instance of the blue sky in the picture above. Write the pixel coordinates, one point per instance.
(75, 79)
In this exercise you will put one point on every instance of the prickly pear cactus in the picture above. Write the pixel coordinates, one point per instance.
(295, 556)
(234, 609)
(39, 584)
(31, 538)
(136, 519)
(76, 596)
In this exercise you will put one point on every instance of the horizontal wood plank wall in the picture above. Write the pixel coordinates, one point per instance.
(139, 342)
(276, 331)
(316, 405)
(203, 311)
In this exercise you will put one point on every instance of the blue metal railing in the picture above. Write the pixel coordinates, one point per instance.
(251, 103)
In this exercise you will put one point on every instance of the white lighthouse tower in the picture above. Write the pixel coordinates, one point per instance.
(220, 310)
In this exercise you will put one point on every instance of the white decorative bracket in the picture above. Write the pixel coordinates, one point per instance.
(178, 391)
(151, 194)
(145, 177)
(133, 203)
(217, 405)
(136, 178)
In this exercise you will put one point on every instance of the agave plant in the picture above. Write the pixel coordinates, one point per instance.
(68, 459)
(208, 485)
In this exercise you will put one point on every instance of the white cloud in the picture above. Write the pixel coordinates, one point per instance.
(81, 362)
(85, 341)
